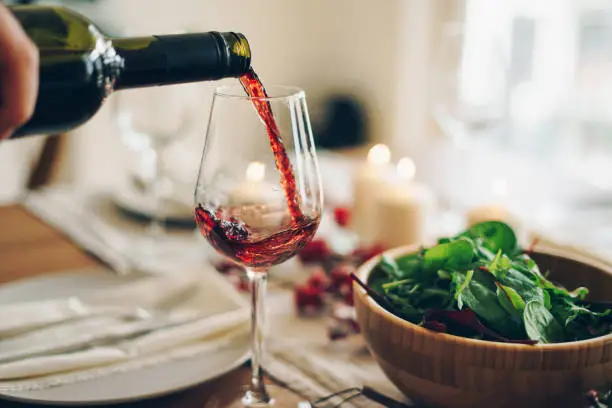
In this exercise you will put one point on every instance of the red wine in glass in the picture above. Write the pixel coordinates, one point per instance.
(261, 247)
(255, 247)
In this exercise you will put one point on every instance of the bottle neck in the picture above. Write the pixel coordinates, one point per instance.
(182, 58)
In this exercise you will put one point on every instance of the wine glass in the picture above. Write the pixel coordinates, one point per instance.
(246, 207)
(149, 120)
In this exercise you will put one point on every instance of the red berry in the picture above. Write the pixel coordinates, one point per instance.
(354, 326)
(225, 266)
(341, 276)
(316, 251)
(244, 286)
(308, 299)
(342, 215)
(335, 333)
(319, 279)
(237, 279)
(348, 296)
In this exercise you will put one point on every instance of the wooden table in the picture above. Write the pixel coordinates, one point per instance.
(29, 247)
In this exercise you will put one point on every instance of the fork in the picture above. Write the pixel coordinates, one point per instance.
(352, 393)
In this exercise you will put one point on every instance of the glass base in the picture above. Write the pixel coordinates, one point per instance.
(281, 397)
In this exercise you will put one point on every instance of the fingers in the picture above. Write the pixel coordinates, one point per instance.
(18, 74)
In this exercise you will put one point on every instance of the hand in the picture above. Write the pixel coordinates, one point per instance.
(18, 74)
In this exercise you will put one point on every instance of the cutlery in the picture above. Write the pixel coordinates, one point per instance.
(132, 332)
(61, 311)
(352, 393)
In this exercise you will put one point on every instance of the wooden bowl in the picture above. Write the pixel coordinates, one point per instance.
(442, 370)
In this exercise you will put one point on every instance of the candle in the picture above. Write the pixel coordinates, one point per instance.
(370, 179)
(493, 211)
(255, 202)
(250, 191)
(403, 209)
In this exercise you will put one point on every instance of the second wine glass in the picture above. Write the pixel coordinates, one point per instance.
(258, 196)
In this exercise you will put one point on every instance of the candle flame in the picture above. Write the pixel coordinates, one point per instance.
(406, 168)
(379, 155)
(499, 188)
(256, 171)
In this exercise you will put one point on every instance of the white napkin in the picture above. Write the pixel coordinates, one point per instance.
(91, 220)
(161, 340)
(151, 292)
(186, 313)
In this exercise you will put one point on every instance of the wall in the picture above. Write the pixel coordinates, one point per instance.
(376, 50)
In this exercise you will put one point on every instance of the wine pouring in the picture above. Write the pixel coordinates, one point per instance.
(258, 197)
(258, 221)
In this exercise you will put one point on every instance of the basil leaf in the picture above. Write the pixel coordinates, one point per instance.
(526, 288)
(484, 303)
(540, 324)
(456, 255)
(495, 236)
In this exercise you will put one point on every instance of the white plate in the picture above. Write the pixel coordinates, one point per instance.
(123, 387)
(173, 210)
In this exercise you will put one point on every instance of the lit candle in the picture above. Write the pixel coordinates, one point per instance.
(253, 199)
(404, 209)
(251, 191)
(495, 210)
(368, 182)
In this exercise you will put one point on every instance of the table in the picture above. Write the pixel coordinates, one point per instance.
(29, 247)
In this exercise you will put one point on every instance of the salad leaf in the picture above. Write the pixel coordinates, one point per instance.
(441, 320)
(495, 236)
(510, 300)
(390, 267)
(451, 255)
(484, 303)
(540, 324)
(461, 284)
(483, 273)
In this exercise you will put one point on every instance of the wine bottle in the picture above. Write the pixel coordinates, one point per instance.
(80, 67)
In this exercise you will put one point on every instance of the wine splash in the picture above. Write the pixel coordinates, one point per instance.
(258, 248)
(255, 89)
(278, 233)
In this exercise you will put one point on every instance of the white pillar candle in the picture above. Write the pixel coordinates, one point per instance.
(255, 202)
(493, 211)
(368, 182)
(251, 190)
(404, 209)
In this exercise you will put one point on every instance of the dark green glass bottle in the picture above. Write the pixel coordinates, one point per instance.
(80, 67)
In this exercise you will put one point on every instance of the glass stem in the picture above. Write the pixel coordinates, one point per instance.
(155, 228)
(257, 395)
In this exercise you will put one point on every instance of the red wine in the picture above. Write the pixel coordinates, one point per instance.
(270, 241)
(258, 248)
(255, 89)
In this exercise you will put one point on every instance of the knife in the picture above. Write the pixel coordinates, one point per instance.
(137, 330)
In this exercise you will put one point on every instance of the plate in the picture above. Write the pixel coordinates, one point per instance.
(173, 211)
(122, 387)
